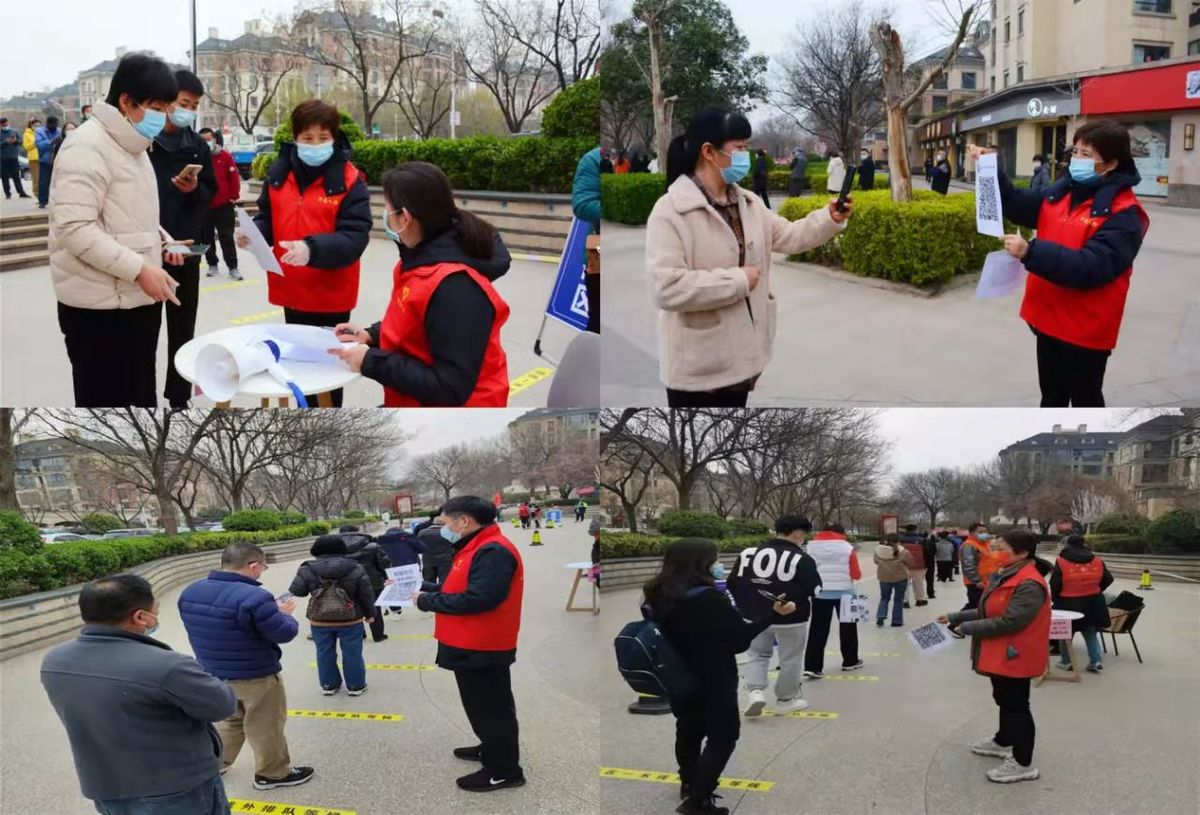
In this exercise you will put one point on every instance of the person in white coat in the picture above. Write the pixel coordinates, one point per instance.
(836, 171)
(106, 251)
(837, 563)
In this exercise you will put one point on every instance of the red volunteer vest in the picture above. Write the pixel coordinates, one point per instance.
(1029, 646)
(1090, 318)
(1081, 579)
(987, 563)
(494, 630)
(918, 555)
(403, 331)
(295, 216)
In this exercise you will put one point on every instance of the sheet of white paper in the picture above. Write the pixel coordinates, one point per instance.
(408, 581)
(310, 346)
(989, 219)
(258, 244)
(1002, 275)
(930, 637)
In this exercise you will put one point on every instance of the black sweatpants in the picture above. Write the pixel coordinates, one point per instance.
(945, 571)
(1016, 720)
(435, 571)
(181, 327)
(707, 726)
(1070, 375)
(929, 569)
(488, 701)
(113, 353)
(719, 399)
(818, 634)
(376, 624)
(973, 595)
(761, 192)
(325, 319)
(10, 171)
(220, 222)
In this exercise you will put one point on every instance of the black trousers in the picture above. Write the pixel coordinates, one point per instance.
(720, 399)
(761, 192)
(10, 170)
(43, 190)
(1069, 375)
(488, 701)
(818, 635)
(1017, 729)
(435, 572)
(181, 327)
(592, 282)
(707, 727)
(929, 569)
(376, 624)
(113, 354)
(325, 319)
(220, 222)
(945, 571)
(973, 595)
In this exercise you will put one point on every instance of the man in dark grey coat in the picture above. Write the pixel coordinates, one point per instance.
(138, 715)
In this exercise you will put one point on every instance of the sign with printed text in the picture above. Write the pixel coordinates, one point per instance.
(1060, 629)
(277, 808)
(568, 301)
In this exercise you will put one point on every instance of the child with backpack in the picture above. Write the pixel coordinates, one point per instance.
(692, 634)
(340, 600)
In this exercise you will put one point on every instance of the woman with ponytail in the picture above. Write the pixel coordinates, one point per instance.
(438, 344)
(708, 255)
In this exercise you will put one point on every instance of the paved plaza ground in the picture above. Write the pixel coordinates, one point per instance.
(846, 341)
(34, 370)
(375, 767)
(1125, 741)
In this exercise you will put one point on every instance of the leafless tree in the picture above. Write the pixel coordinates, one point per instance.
(11, 422)
(248, 81)
(829, 79)
(444, 469)
(899, 94)
(652, 14)
(934, 491)
(424, 89)
(564, 34)
(1015, 480)
(627, 472)
(518, 77)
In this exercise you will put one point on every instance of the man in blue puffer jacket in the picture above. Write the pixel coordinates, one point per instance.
(235, 627)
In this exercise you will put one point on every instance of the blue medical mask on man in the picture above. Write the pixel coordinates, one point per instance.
(738, 168)
(450, 535)
(314, 155)
(183, 117)
(718, 571)
(152, 123)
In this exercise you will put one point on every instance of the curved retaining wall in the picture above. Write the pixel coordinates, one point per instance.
(36, 620)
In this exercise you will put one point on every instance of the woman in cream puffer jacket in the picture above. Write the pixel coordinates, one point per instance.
(708, 257)
(106, 252)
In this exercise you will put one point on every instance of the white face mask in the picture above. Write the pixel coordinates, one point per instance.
(213, 147)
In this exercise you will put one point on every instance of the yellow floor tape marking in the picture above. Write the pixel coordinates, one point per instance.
(525, 380)
(346, 714)
(232, 284)
(835, 676)
(276, 808)
(744, 784)
(538, 258)
(866, 653)
(375, 666)
(803, 714)
(257, 318)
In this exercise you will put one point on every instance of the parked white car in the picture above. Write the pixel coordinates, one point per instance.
(128, 533)
(63, 537)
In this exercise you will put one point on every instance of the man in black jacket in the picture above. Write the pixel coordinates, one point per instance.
(138, 715)
(183, 207)
(363, 550)
(778, 569)
(929, 548)
(478, 608)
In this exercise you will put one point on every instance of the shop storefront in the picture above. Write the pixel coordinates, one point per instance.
(1022, 121)
(941, 136)
(1160, 105)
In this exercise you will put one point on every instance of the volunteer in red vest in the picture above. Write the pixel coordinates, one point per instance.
(439, 342)
(1077, 583)
(478, 608)
(978, 566)
(1010, 631)
(1089, 230)
(315, 211)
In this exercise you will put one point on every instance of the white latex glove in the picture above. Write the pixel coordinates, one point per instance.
(241, 239)
(297, 253)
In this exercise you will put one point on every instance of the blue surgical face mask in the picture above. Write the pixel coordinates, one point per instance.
(737, 170)
(314, 155)
(450, 535)
(718, 570)
(983, 536)
(182, 117)
(151, 629)
(152, 123)
(391, 233)
(1083, 170)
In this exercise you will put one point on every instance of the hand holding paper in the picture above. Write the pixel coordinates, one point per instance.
(258, 244)
(1002, 275)
(989, 219)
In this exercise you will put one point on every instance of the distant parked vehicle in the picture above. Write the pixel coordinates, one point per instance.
(128, 533)
(63, 537)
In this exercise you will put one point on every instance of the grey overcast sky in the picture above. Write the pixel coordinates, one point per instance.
(433, 429)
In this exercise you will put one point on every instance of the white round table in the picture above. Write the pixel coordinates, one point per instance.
(582, 568)
(320, 378)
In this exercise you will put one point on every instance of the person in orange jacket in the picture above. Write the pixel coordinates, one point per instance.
(978, 566)
(1009, 631)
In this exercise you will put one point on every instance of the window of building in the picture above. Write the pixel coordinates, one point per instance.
(1007, 31)
(968, 80)
(1154, 473)
(939, 103)
(1144, 52)
(55, 479)
(993, 84)
(1020, 73)
(1021, 22)
(941, 83)
(1060, 441)
(1194, 47)
(26, 482)
(1006, 79)
(1152, 6)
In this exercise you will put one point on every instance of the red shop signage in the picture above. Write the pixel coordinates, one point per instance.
(1165, 88)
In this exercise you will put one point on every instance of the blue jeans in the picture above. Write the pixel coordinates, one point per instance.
(43, 190)
(326, 638)
(1091, 638)
(895, 591)
(206, 799)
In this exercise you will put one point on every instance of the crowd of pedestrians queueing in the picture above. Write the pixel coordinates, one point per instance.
(153, 730)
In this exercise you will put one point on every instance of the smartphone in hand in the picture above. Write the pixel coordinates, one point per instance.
(847, 185)
(774, 598)
(283, 598)
(189, 172)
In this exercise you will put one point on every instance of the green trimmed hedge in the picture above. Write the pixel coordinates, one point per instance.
(926, 241)
(17, 534)
(97, 523)
(1176, 531)
(628, 198)
(1119, 544)
(575, 111)
(816, 175)
(515, 164)
(748, 526)
(693, 524)
(1123, 523)
(67, 564)
(252, 520)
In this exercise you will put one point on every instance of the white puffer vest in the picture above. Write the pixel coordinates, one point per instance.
(833, 563)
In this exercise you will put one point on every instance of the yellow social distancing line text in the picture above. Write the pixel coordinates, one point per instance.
(743, 784)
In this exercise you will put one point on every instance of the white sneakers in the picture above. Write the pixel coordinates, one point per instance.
(1011, 771)
(791, 706)
(758, 701)
(990, 748)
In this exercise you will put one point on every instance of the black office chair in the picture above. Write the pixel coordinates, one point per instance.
(1132, 606)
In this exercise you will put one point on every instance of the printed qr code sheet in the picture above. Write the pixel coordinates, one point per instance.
(930, 637)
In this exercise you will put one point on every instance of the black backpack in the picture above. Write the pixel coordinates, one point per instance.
(648, 661)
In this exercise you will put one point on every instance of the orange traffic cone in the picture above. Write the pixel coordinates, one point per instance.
(537, 538)
(1144, 585)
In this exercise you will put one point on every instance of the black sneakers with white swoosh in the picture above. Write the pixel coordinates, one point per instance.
(485, 781)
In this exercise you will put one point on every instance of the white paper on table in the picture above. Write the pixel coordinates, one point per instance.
(302, 348)
(929, 638)
(1002, 275)
(258, 244)
(989, 216)
(408, 582)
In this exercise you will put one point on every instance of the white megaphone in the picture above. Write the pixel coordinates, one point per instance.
(222, 367)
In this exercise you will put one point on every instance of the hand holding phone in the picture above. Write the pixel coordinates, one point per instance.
(189, 172)
(847, 185)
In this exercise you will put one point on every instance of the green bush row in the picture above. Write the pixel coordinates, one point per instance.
(817, 177)
(615, 545)
(524, 164)
(67, 564)
(1123, 523)
(1119, 543)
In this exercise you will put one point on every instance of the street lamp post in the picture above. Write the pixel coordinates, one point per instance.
(194, 63)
